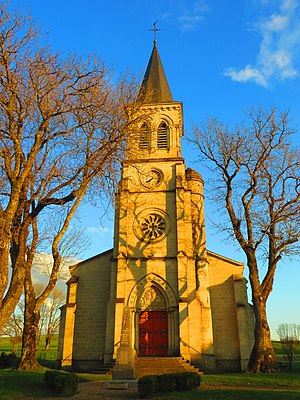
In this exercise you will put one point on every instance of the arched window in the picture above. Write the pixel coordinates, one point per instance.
(144, 138)
(162, 136)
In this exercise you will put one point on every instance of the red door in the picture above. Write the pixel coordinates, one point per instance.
(153, 333)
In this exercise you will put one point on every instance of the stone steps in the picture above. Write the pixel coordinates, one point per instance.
(161, 365)
(104, 369)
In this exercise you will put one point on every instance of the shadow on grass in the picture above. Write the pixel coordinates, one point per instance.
(17, 384)
(21, 384)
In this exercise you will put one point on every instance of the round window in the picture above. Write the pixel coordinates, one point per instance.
(151, 225)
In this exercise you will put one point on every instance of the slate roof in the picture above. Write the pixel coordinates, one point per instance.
(155, 87)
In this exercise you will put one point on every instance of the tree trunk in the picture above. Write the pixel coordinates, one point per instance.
(15, 346)
(18, 266)
(30, 336)
(4, 262)
(15, 289)
(48, 341)
(11, 298)
(263, 358)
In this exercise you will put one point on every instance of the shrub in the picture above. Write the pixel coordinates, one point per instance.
(166, 383)
(147, 386)
(8, 360)
(187, 381)
(61, 382)
(49, 378)
(151, 384)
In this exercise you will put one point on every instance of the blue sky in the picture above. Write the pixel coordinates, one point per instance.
(220, 57)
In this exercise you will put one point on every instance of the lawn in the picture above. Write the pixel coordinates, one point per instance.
(14, 384)
(285, 386)
(278, 386)
(231, 395)
(19, 385)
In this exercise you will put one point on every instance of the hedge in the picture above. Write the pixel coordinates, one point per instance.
(8, 360)
(148, 385)
(61, 382)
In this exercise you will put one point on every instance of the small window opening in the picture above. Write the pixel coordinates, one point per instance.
(162, 136)
(144, 139)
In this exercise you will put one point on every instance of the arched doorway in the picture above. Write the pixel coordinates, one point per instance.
(155, 307)
(153, 324)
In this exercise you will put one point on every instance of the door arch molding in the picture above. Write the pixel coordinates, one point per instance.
(167, 302)
(145, 283)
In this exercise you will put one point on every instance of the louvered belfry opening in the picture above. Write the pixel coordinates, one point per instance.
(162, 136)
(144, 137)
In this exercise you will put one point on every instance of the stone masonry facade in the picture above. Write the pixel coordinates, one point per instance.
(159, 292)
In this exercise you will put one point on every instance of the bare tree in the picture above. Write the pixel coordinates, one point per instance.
(63, 127)
(256, 178)
(52, 315)
(14, 326)
(48, 323)
(39, 317)
(72, 245)
(289, 336)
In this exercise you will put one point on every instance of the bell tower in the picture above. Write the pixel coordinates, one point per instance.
(158, 304)
(158, 135)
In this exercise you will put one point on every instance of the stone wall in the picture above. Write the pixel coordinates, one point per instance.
(90, 317)
(230, 313)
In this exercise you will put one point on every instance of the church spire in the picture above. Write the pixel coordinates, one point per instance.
(155, 87)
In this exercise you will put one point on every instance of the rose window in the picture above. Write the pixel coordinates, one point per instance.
(153, 226)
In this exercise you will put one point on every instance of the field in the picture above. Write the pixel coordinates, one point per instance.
(46, 358)
(284, 385)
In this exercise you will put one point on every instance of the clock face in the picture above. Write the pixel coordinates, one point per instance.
(152, 178)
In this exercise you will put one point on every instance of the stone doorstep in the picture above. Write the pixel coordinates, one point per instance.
(120, 384)
(117, 386)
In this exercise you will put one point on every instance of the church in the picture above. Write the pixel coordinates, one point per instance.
(159, 298)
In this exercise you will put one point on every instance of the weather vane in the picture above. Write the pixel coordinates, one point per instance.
(154, 29)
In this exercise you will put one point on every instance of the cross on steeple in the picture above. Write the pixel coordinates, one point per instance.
(154, 29)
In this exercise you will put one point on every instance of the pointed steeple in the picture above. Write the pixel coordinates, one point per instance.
(155, 87)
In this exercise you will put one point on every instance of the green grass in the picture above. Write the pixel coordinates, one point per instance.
(94, 377)
(280, 352)
(280, 379)
(231, 395)
(19, 385)
(45, 358)
(6, 346)
(242, 387)
(14, 384)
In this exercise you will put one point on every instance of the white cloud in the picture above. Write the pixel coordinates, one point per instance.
(289, 5)
(282, 58)
(275, 23)
(189, 23)
(246, 74)
(279, 48)
(43, 264)
(186, 14)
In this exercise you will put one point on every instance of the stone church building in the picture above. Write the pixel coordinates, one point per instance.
(159, 294)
